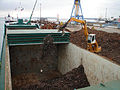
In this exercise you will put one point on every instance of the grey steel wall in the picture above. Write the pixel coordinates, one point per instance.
(97, 68)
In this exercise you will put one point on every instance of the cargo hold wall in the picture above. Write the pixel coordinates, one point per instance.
(97, 68)
(30, 58)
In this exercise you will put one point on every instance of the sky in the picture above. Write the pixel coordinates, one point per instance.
(63, 8)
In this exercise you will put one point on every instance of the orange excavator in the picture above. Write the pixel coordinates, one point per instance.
(92, 44)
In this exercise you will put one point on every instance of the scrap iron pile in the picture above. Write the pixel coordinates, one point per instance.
(109, 42)
(46, 24)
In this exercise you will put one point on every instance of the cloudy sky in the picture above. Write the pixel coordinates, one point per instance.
(50, 8)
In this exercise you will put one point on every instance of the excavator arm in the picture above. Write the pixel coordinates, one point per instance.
(92, 44)
(79, 21)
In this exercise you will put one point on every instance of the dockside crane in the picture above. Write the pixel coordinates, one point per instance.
(77, 10)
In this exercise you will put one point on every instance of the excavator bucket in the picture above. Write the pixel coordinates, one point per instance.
(98, 49)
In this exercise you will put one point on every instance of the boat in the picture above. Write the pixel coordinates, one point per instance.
(9, 19)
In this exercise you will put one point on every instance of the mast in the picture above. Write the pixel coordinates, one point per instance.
(40, 13)
(106, 13)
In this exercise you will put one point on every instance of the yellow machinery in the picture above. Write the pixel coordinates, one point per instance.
(92, 44)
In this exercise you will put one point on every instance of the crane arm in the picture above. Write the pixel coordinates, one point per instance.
(79, 21)
(32, 12)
